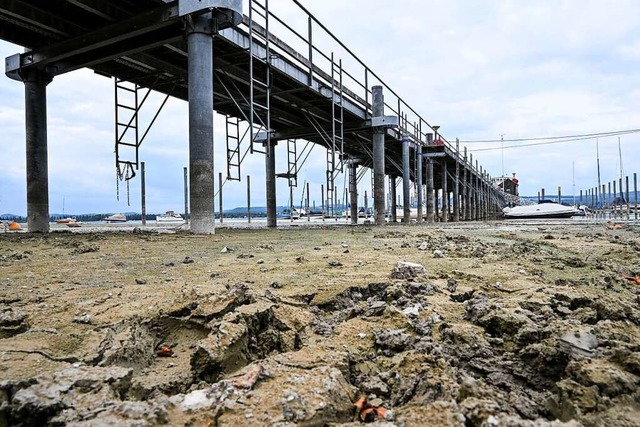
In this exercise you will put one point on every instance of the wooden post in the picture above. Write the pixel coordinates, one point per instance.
(220, 194)
(249, 198)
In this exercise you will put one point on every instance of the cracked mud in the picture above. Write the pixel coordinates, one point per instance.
(472, 325)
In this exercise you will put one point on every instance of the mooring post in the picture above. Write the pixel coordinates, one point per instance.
(186, 195)
(220, 196)
(377, 104)
(35, 89)
(559, 195)
(143, 201)
(608, 197)
(291, 205)
(322, 198)
(406, 181)
(200, 43)
(307, 204)
(627, 200)
(615, 194)
(249, 199)
(419, 176)
(366, 204)
(635, 195)
(270, 184)
(353, 191)
(581, 195)
(542, 193)
(394, 199)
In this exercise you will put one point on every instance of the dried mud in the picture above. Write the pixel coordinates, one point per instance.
(466, 325)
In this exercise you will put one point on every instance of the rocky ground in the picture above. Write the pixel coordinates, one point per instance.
(496, 324)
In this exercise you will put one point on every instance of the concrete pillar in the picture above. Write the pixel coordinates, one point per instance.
(378, 157)
(465, 189)
(394, 207)
(35, 90)
(270, 178)
(406, 182)
(353, 191)
(200, 42)
(445, 192)
(419, 181)
(431, 202)
(456, 185)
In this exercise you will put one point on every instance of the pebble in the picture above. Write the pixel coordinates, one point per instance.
(438, 254)
(141, 282)
(226, 249)
(260, 261)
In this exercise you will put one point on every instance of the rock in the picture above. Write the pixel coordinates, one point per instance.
(610, 380)
(217, 306)
(245, 256)
(423, 246)
(392, 340)
(452, 285)
(376, 386)
(376, 308)
(276, 285)
(413, 311)
(188, 260)
(408, 270)
(579, 343)
(438, 254)
(129, 344)
(86, 319)
(226, 250)
(74, 390)
(260, 261)
(335, 264)
(12, 322)
(141, 282)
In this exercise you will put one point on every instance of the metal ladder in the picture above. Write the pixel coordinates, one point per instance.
(260, 83)
(292, 163)
(128, 104)
(126, 129)
(337, 131)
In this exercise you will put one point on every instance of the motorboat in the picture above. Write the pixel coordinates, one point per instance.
(116, 218)
(73, 223)
(289, 214)
(540, 210)
(169, 217)
(65, 220)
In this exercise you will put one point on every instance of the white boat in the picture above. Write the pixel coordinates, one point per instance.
(540, 210)
(169, 217)
(116, 218)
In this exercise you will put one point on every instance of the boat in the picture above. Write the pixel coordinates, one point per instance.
(116, 218)
(73, 223)
(544, 209)
(65, 220)
(288, 214)
(169, 217)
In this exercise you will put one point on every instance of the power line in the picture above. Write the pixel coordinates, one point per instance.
(532, 144)
(542, 138)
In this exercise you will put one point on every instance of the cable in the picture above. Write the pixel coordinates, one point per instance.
(540, 138)
(535, 144)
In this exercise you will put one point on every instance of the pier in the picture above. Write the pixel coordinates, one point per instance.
(219, 57)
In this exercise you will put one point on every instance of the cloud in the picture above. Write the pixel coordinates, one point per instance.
(478, 69)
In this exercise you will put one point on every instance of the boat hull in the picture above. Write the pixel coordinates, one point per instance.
(541, 211)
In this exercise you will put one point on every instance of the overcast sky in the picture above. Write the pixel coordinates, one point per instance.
(478, 69)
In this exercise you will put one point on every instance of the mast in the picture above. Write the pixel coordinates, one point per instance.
(598, 157)
(620, 157)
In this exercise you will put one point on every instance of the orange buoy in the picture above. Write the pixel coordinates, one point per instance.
(14, 226)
